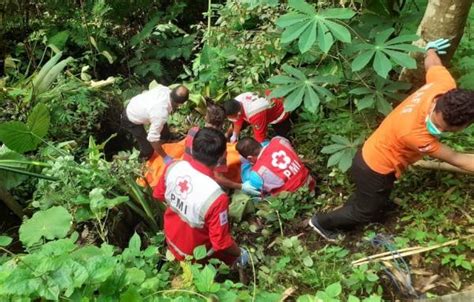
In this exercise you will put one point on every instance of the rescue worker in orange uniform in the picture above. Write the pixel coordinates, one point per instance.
(411, 131)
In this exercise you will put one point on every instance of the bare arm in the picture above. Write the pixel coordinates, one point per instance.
(225, 182)
(432, 59)
(461, 160)
(159, 148)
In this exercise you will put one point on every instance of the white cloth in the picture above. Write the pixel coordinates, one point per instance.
(151, 107)
(190, 193)
(252, 103)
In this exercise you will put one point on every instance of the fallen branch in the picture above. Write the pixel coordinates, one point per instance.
(405, 252)
(433, 165)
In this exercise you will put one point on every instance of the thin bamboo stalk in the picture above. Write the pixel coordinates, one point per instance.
(378, 258)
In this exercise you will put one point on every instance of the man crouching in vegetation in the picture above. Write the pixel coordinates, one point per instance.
(273, 168)
(197, 212)
(153, 107)
(215, 117)
(408, 133)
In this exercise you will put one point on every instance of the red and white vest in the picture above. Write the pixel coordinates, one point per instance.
(190, 193)
(281, 168)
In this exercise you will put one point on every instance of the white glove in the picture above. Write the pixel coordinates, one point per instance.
(234, 137)
(249, 189)
(243, 259)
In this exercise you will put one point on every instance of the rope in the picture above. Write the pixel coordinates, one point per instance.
(404, 286)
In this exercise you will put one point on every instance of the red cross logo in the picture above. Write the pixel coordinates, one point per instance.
(183, 186)
(280, 159)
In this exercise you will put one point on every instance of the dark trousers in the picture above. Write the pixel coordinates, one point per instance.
(283, 128)
(369, 202)
(140, 135)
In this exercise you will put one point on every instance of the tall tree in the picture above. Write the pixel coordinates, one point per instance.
(442, 19)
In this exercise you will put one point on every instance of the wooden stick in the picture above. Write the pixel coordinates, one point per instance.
(410, 252)
(386, 253)
(440, 166)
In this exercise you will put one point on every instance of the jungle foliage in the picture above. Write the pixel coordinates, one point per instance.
(88, 232)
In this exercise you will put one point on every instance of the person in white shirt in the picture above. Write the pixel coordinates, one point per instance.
(152, 107)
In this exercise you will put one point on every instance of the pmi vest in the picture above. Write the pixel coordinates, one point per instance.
(189, 193)
(280, 167)
(252, 103)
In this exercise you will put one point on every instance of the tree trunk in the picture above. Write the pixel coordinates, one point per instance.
(442, 19)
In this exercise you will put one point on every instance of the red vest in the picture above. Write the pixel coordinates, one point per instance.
(281, 168)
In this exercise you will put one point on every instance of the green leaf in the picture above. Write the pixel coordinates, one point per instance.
(59, 39)
(307, 261)
(334, 290)
(293, 32)
(50, 224)
(294, 99)
(38, 120)
(282, 79)
(335, 158)
(135, 276)
(383, 36)
(382, 64)
(332, 148)
(204, 280)
(311, 100)
(353, 299)
(340, 32)
(282, 91)
(372, 277)
(308, 38)
(131, 295)
(366, 102)
(383, 106)
(401, 58)
(5, 240)
(294, 72)
(302, 6)
(291, 19)
(337, 13)
(135, 244)
(362, 60)
(345, 161)
(200, 252)
(8, 179)
(340, 140)
(402, 39)
(325, 39)
(360, 91)
(17, 136)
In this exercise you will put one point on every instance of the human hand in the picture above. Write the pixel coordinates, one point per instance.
(249, 189)
(439, 46)
(243, 259)
(234, 137)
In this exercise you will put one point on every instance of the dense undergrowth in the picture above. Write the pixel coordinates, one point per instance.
(85, 231)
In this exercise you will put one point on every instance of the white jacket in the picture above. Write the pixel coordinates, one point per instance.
(151, 107)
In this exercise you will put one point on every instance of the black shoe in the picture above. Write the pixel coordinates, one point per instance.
(328, 235)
